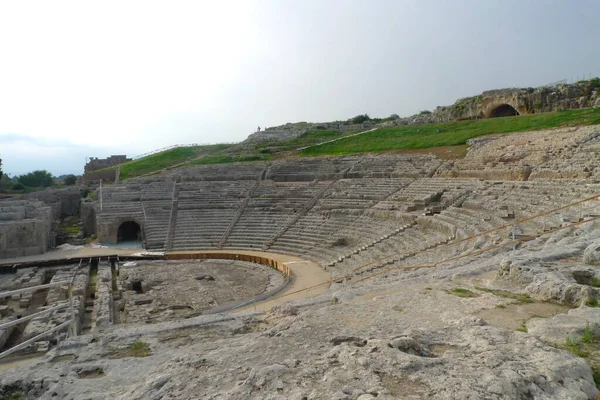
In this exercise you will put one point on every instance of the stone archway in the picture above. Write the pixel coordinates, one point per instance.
(129, 231)
(503, 110)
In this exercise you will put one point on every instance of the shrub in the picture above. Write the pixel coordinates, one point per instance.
(70, 179)
(359, 119)
(18, 186)
(460, 292)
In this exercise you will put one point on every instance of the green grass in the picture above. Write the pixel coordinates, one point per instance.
(139, 349)
(452, 133)
(307, 139)
(575, 347)
(226, 159)
(588, 336)
(523, 327)
(18, 395)
(460, 292)
(70, 229)
(167, 159)
(596, 374)
(523, 298)
(398, 308)
(595, 282)
(593, 302)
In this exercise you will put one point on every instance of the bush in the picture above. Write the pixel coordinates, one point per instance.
(359, 119)
(425, 112)
(84, 192)
(39, 178)
(18, 186)
(70, 179)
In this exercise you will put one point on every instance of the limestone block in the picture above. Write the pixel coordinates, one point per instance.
(591, 255)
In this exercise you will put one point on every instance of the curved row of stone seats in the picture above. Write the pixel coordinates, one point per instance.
(273, 206)
(206, 209)
(119, 209)
(396, 166)
(309, 169)
(328, 237)
(213, 191)
(255, 227)
(522, 200)
(156, 222)
(390, 250)
(460, 223)
(221, 172)
(375, 189)
(201, 228)
(521, 156)
(428, 191)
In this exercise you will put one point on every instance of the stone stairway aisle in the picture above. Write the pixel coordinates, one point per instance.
(173, 216)
(393, 260)
(241, 210)
(311, 203)
(373, 243)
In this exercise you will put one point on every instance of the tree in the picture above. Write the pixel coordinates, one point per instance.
(38, 178)
(0, 168)
(70, 180)
(5, 182)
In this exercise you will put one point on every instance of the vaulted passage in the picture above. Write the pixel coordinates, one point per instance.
(504, 110)
(129, 231)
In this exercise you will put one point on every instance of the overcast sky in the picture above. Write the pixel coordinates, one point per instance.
(87, 78)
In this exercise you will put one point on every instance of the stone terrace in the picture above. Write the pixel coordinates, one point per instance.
(343, 212)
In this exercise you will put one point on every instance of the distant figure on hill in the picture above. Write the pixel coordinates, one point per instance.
(258, 129)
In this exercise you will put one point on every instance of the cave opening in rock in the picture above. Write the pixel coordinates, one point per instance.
(137, 287)
(129, 231)
(504, 110)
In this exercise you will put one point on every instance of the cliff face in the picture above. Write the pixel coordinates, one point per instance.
(504, 102)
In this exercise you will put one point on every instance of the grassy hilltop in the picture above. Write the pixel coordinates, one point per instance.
(382, 139)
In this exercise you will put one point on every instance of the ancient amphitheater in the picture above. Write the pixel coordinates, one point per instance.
(377, 276)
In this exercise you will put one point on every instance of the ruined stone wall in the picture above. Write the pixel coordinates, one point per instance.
(88, 217)
(64, 202)
(99, 163)
(108, 176)
(23, 238)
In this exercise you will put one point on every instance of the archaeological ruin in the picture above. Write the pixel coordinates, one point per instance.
(367, 276)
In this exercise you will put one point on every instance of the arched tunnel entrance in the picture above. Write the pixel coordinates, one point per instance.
(129, 231)
(504, 110)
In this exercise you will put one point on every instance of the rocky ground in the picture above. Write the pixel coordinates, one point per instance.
(518, 324)
(168, 290)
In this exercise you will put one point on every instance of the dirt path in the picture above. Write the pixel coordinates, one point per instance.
(304, 274)
(335, 140)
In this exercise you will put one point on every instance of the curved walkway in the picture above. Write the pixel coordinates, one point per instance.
(304, 274)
